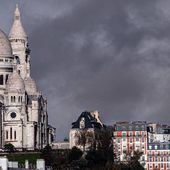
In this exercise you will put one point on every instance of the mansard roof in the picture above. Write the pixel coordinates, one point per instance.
(131, 126)
(90, 121)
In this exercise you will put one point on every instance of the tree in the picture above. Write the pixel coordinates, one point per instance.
(75, 154)
(9, 147)
(48, 155)
(134, 161)
(84, 138)
(104, 143)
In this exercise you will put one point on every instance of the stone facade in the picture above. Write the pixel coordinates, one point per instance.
(23, 108)
(87, 121)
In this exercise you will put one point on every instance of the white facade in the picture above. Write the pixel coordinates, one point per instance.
(24, 118)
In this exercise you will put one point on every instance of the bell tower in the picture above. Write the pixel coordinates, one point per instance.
(19, 42)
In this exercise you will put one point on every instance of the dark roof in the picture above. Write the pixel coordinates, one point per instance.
(90, 121)
(131, 126)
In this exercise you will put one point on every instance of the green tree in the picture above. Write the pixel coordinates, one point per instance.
(104, 143)
(84, 138)
(9, 147)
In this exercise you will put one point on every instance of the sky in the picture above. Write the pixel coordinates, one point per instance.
(107, 55)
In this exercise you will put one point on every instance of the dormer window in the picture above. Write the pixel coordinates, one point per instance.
(17, 59)
(82, 123)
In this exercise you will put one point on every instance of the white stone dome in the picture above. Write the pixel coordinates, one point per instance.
(30, 85)
(5, 46)
(15, 82)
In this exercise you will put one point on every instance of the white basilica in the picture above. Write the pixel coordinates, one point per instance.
(23, 109)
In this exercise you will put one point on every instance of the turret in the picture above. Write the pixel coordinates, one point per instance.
(17, 31)
(19, 43)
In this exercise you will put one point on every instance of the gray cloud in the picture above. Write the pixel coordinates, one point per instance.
(109, 55)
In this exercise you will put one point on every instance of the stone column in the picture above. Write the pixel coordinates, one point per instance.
(4, 163)
(40, 164)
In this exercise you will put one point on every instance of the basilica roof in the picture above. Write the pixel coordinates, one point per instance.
(17, 30)
(30, 85)
(15, 82)
(5, 46)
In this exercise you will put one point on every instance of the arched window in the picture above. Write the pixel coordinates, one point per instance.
(15, 134)
(6, 134)
(19, 72)
(1, 79)
(19, 99)
(17, 59)
(14, 98)
(10, 132)
(6, 79)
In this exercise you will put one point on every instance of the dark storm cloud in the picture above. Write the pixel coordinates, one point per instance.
(110, 55)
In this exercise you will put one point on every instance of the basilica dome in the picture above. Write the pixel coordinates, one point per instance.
(15, 82)
(5, 46)
(30, 86)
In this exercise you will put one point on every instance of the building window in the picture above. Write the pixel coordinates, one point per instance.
(156, 159)
(12, 99)
(131, 147)
(162, 165)
(130, 140)
(150, 159)
(124, 139)
(11, 133)
(19, 99)
(131, 134)
(19, 71)
(6, 79)
(143, 139)
(82, 123)
(17, 59)
(143, 146)
(13, 115)
(15, 135)
(1, 79)
(6, 134)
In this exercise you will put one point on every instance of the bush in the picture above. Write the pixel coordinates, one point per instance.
(96, 157)
(48, 155)
(75, 154)
(9, 147)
